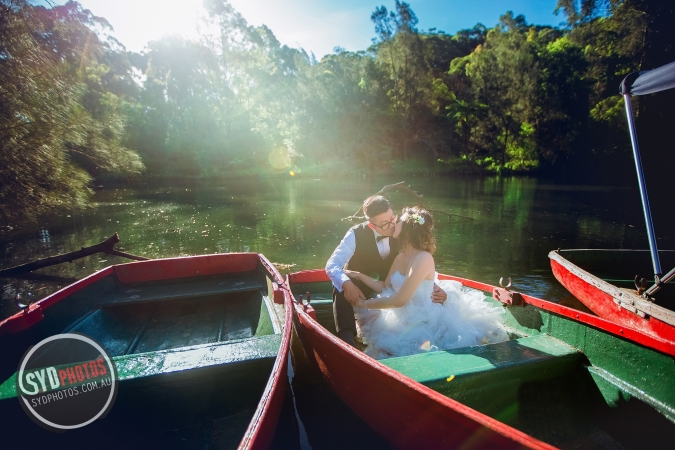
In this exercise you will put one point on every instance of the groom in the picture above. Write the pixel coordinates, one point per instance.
(367, 248)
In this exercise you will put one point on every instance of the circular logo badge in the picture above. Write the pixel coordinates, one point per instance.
(66, 381)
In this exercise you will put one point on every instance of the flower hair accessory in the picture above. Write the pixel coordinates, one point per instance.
(417, 218)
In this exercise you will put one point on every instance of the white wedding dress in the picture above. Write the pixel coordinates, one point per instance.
(465, 319)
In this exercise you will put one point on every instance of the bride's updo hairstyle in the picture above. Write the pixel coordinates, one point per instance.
(416, 229)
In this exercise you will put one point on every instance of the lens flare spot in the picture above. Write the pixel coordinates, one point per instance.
(450, 378)
(280, 158)
(426, 346)
(375, 276)
(291, 173)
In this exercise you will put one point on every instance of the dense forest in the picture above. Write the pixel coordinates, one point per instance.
(77, 109)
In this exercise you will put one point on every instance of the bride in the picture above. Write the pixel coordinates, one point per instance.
(402, 321)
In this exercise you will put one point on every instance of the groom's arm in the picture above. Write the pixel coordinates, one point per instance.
(341, 255)
(335, 268)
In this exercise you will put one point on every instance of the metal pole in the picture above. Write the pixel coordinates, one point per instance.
(643, 189)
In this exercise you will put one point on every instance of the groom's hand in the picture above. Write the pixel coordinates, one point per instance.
(352, 293)
(438, 295)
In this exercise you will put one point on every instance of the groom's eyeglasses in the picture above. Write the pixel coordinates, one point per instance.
(388, 224)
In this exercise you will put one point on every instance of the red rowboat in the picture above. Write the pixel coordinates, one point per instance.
(602, 280)
(553, 384)
(200, 344)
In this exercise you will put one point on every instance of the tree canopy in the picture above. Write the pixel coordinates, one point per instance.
(516, 97)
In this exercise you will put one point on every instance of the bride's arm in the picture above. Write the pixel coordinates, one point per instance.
(372, 283)
(422, 267)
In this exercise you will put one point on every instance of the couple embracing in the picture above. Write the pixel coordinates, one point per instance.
(386, 292)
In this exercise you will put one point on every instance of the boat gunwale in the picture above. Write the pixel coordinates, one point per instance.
(607, 250)
(33, 313)
(436, 397)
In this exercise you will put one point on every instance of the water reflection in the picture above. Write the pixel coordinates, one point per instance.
(516, 222)
(45, 238)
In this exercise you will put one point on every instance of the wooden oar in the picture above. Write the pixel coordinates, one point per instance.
(106, 246)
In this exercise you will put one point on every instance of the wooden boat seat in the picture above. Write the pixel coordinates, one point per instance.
(167, 390)
(173, 361)
(165, 362)
(488, 377)
(209, 380)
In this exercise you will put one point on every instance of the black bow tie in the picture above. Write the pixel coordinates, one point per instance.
(379, 238)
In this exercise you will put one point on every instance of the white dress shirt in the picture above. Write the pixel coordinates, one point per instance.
(343, 253)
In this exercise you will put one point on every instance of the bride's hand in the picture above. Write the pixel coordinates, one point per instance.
(438, 295)
(361, 303)
(353, 274)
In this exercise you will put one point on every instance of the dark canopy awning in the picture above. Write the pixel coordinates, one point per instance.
(649, 81)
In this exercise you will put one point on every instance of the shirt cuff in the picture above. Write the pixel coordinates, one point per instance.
(343, 278)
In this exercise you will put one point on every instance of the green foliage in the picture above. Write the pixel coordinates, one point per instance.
(60, 125)
(521, 150)
(608, 109)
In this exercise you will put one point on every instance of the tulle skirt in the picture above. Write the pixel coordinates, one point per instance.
(465, 319)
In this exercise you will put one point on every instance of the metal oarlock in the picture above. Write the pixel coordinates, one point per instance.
(23, 306)
(640, 284)
(501, 282)
(507, 297)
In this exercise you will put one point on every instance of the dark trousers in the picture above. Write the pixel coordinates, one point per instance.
(343, 312)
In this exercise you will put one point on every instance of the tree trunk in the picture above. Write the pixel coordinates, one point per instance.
(506, 140)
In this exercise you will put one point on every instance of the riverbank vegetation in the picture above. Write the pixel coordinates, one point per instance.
(78, 109)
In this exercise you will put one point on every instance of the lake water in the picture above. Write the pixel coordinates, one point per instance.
(507, 228)
(515, 223)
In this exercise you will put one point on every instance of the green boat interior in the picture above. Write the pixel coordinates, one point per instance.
(567, 384)
(193, 356)
(139, 327)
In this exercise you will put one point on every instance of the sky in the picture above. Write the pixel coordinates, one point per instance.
(318, 26)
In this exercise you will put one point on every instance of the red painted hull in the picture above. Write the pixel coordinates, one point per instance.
(599, 297)
(409, 414)
(261, 429)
